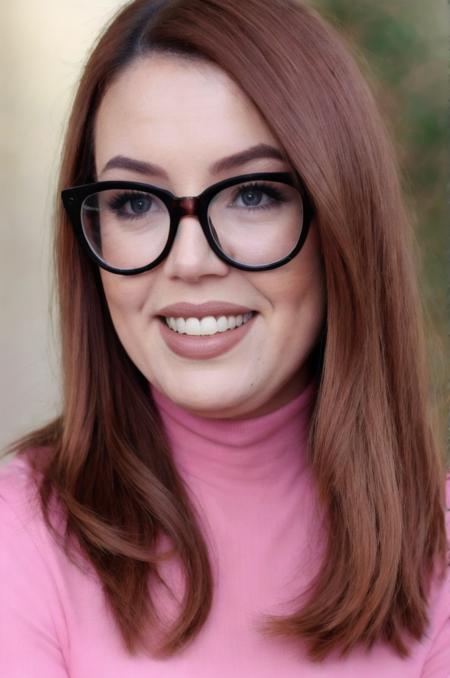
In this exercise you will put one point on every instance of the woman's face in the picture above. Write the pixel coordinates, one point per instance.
(184, 116)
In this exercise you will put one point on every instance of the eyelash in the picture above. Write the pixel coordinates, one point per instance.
(120, 200)
(268, 189)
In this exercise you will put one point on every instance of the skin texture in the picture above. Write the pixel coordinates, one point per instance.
(184, 116)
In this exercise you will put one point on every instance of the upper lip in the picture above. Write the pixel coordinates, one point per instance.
(184, 309)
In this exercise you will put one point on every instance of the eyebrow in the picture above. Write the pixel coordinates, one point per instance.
(228, 163)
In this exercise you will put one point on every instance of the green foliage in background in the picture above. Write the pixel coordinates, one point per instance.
(402, 45)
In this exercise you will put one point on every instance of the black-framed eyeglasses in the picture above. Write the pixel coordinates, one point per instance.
(254, 222)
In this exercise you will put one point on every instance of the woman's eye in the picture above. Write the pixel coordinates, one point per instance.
(252, 196)
(131, 205)
(139, 205)
(258, 196)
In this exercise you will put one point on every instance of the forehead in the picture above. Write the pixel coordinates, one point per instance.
(176, 111)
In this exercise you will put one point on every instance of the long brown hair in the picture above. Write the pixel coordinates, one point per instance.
(374, 453)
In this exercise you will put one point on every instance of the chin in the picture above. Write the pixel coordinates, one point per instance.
(215, 402)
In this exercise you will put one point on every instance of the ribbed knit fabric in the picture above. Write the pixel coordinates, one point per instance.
(251, 484)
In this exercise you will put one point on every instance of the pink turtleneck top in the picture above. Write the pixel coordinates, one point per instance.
(251, 484)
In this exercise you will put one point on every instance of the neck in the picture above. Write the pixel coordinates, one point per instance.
(262, 449)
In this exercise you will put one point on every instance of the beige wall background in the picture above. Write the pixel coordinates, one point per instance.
(43, 45)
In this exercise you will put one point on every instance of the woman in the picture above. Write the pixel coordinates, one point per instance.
(244, 479)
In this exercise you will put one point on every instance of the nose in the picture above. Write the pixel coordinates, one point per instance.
(191, 257)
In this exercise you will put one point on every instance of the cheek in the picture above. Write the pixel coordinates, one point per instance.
(301, 283)
(125, 296)
(309, 274)
(305, 310)
(300, 294)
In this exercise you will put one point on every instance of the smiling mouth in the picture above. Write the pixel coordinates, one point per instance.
(208, 325)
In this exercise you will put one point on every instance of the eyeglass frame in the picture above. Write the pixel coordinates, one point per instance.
(178, 207)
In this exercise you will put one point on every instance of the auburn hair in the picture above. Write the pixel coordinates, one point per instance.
(375, 453)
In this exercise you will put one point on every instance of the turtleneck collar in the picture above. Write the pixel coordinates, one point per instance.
(252, 450)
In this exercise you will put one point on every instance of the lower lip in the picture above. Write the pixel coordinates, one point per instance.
(203, 347)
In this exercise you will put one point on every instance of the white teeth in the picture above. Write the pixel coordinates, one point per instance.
(192, 326)
(222, 323)
(179, 324)
(208, 325)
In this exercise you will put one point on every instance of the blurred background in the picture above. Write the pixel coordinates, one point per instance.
(403, 49)
(402, 45)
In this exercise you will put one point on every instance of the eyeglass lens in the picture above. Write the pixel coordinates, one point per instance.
(255, 223)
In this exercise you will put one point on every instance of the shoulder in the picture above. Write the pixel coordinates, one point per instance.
(447, 487)
(19, 489)
(447, 512)
(19, 499)
(447, 515)
(17, 481)
(447, 526)
(22, 525)
(437, 660)
(31, 586)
